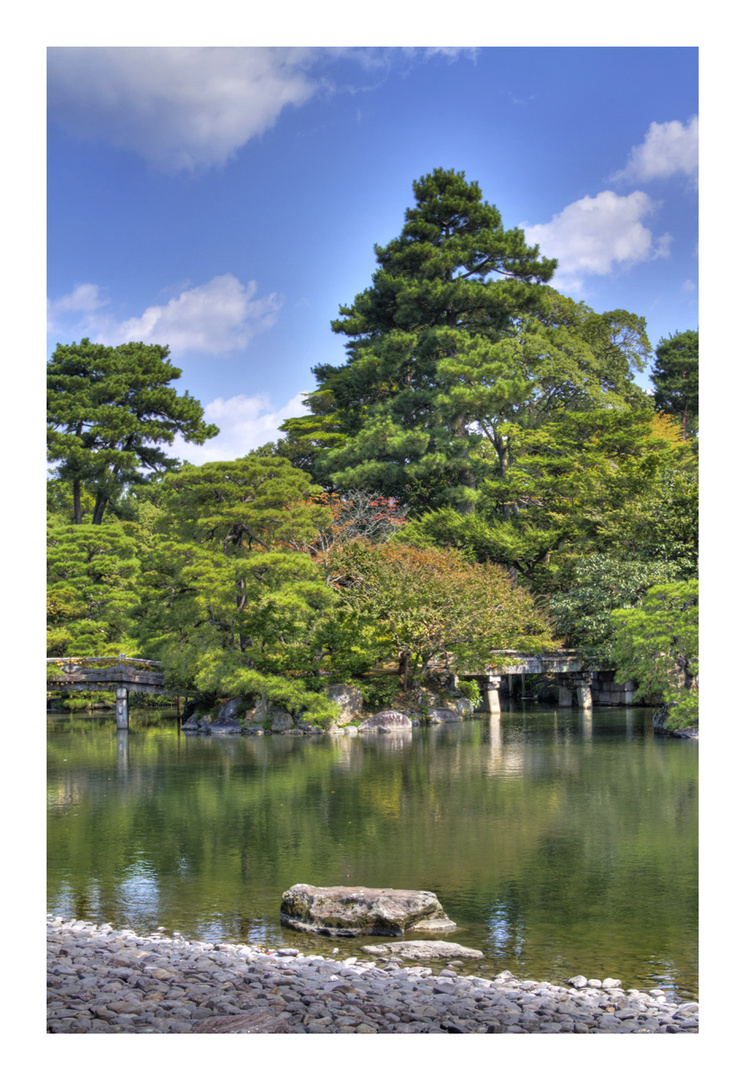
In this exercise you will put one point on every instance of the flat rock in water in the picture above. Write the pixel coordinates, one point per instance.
(443, 716)
(424, 950)
(357, 911)
(390, 720)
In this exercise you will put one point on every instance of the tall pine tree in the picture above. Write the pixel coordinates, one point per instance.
(426, 355)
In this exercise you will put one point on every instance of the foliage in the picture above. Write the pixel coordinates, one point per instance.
(91, 589)
(469, 690)
(110, 409)
(595, 587)
(459, 340)
(443, 293)
(613, 481)
(675, 378)
(356, 514)
(378, 690)
(433, 608)
(229, 603)
(308, 437)
(656, 645)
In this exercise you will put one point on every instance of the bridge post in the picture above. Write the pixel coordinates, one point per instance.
(491, 694)
(565, 693)
(122, 712)
(584, 691)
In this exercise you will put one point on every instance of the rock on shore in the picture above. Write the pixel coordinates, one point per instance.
(116, 981)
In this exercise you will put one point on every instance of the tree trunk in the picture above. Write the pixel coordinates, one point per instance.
(465, 506)
(98, 510)
(76, 507)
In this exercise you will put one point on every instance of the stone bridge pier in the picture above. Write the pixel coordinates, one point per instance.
(489, 685)
(574, 677)
(579, 684)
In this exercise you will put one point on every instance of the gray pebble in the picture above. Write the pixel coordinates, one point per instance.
(104, 980)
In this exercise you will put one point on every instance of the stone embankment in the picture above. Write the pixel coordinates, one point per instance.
(116, 981)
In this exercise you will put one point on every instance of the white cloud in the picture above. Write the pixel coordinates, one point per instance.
(181, 108)
(598, 235)
(192, 108)
(216, 318)
(84, 300)
(244, 422)
(667, 149)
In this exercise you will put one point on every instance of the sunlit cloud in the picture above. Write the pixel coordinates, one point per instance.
(180, 108)
(218, 317)
(598, 236)
(193, 108)
(667, 149)
(245, 423)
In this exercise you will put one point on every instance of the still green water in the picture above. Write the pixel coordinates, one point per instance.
(560, 843)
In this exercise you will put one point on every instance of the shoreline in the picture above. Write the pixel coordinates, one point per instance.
(106, 980)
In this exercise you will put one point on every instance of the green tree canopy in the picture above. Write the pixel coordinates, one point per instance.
(444, 292)
(92, 581)
(110, 409)
(606, 480)
(458, 339)
(434, 608)
(656, 645)
(230, 603)
(675, 378)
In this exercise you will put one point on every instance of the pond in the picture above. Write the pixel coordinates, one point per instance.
(561, 843)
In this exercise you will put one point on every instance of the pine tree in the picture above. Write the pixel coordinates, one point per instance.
(230, 603)
(110, 409)
(675, 378)
(426, 356)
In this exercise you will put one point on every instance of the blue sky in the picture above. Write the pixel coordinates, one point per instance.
(225, 201)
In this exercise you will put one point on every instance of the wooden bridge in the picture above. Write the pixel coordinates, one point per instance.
(120, 673)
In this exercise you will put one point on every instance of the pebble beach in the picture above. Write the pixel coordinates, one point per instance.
(107, 980)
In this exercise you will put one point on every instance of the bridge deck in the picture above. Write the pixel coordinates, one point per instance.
(513, 663)
(123, 675)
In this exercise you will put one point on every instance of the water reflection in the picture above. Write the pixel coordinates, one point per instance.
(558, 842)
(388, 741)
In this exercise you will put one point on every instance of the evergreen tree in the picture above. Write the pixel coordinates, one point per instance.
(424, 356)
(230, 603)
(675, 378)
(92, 582)
(109, 409)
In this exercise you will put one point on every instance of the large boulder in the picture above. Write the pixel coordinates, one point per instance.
(228, 720)
(443, 716)
(350, 700)
(424, 950)
(356, 911)
(230, 712)
(389, 720)
(270, 716)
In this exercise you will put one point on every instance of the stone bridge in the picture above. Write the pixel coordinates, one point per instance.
(119, 673)
(578, 678)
